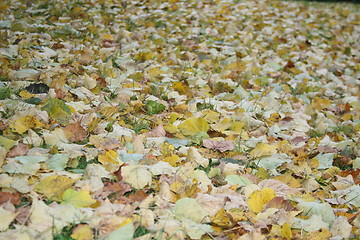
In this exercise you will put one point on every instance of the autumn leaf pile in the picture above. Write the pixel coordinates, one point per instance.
(175, 119)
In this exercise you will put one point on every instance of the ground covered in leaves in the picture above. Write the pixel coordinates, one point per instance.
(179, 120)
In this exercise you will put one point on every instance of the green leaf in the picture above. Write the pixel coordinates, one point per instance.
(57, 109)
(6, 143)
(189, 208)
(5, 93)
(198, 137)
(57, 162)
(239, 180)
(153, 107)
(125, 232)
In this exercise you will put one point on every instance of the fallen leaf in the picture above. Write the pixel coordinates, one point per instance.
(189, 208)
(57, 109)
(222, 219)
(259, 198)
(263, 149)
(23, 124)
(7, 217)
(74, 132)
(341, 228)
(193, 125)
(124, 232)
(280, 188)
(221, 146)
(53, 187)
(109, 160)
(82, 232)
(14, 198)
(19, 150)
(79, 199)
(57, 162)
(6, 143)
(136, 175)
(238, 180)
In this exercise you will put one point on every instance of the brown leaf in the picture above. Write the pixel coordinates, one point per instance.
(118, 173)
(19, 150)
(221, 146)
(3, 125)
(280, 203)
(74, 132)
(23, 214)
(355, 173)
(113, 190)
(138, 196)
(14, 198)
(158, 131)
(280, 188)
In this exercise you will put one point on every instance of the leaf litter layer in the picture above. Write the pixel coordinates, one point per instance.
(179, 120)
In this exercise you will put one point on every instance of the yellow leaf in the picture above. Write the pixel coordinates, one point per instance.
(237, 214)
(222, 219)
(155, 72)
(210, 116)
(288, 180)
(193, 125)
(170, 128)
(53, 187)
(274, 117)
(347, 116)
(109, 160)
(23, 124)
(167, 149)
(262, 174)
(26, 95)
(109, 157)
(236, 66)
(237, 126)
(223, 125)
(6, 143)
(320, 103)
(286, 231)
(173, 117)
(78, 199)
(107, 36)
(321, 234)
(263, 149)
(126, 221)
(181, 87)
(172, 160)
(82, 232)
(259, 198)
